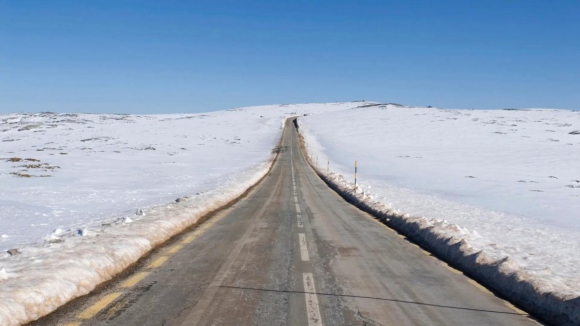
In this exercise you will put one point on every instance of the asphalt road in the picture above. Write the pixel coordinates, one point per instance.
(291, 252)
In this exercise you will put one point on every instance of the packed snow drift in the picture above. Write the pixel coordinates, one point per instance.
(501, 182)
(83, 196)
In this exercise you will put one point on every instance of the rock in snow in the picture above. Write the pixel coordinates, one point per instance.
(13, 251)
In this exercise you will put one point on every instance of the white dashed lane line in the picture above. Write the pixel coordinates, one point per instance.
(312, 308)
(303, 247)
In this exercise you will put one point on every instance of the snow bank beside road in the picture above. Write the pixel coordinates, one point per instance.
(488, 191)
(70, 265)
(102, 183)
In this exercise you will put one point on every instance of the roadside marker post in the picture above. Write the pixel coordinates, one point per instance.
(355, 172)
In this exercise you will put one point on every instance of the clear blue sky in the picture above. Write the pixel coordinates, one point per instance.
(192, 56)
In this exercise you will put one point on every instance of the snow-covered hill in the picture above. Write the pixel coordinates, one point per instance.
(61, 171)
(506, 181)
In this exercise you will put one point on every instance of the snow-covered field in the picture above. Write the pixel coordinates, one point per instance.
(505, 181)
(61, 171)
(83, 196)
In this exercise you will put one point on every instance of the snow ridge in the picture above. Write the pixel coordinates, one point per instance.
(545, 297)
(52, 276)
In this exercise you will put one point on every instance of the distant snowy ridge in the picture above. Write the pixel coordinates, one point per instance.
(553, 298)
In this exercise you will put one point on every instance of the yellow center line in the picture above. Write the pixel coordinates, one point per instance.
(189, 239)
(451, 268)
(175, 249)
(199, 231)
(115, 308)
(109, 298)
(91, 311)
(158, 262)
(479, 286)
(516, 309)
(134, 280)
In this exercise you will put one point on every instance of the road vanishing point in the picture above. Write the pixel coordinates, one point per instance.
(290, 252)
